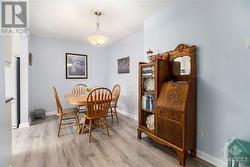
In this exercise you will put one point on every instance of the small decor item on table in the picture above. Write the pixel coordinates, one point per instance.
(76, 66)
(88, 89)
(150, 55)
(150, 122)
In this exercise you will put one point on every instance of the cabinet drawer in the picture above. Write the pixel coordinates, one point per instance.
(170, 114)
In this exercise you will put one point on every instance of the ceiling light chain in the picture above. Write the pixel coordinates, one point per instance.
(98, 21)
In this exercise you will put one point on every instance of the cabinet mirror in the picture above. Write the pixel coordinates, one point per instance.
(182, 65)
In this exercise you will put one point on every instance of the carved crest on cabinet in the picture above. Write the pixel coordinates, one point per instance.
(180, 47)
(172, 96)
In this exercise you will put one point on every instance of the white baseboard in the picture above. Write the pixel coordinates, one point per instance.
(127, 114)
(202, 155)
(211, 159)
(24, 125)
(50, 113)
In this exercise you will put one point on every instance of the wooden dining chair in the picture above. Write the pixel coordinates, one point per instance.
(79, 89)
(98, 104)
(115, 96)
(65, 116)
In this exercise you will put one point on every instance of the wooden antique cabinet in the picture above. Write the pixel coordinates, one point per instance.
(167, 100)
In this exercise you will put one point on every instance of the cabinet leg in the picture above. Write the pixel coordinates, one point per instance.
(182, 158)
(193, 153)
(138, 134)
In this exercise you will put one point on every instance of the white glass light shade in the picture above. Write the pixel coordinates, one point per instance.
(97, 40)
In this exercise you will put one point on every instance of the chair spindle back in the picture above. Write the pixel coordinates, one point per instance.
(98, 102)
(58, 102)
(79, 89)
(116, 93)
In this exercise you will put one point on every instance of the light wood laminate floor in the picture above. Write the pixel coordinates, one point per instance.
(38, 146)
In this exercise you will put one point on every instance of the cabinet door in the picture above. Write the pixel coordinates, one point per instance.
(170, 131)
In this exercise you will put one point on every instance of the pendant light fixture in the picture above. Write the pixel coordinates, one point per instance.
(98, 39)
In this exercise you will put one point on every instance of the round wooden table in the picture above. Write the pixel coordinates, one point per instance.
(76, 100)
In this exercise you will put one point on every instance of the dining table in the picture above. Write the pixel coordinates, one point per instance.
(78, 101)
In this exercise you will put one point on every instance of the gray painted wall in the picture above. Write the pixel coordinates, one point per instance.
(219, 29)
(131, 46)
(48, 69)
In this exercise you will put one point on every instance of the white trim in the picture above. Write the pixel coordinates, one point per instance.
(211, 159)
(50, 113)
(127, 114)
(24, 125)
(202, 155)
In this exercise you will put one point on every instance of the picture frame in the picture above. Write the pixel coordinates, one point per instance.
(76, 66)
(123, 65)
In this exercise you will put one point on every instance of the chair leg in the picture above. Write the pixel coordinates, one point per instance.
(78, 122)
(116, 115)
(82, 125)
(59, 125)
(111, 110)
(106, 124)
(90, 130)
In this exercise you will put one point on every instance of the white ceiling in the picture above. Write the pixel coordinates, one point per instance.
(75, 20)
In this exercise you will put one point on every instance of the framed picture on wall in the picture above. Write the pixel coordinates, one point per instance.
(76, 66)
(123, 65)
